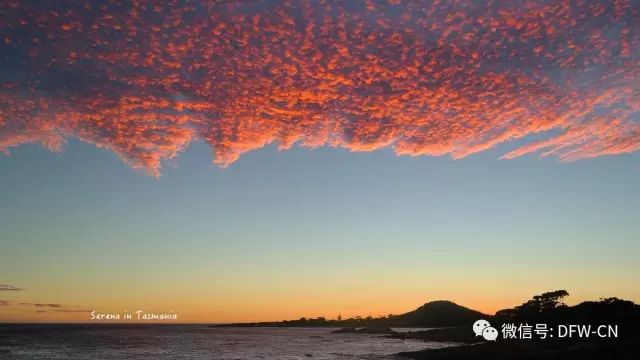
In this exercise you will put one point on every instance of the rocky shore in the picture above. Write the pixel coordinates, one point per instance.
(449, 335)
(366, 330)
(536, 350)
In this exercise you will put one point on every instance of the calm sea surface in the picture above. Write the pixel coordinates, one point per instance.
(194, 342)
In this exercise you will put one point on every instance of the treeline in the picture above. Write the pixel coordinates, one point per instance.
(357, 321)
(549, 308)
(432, 314)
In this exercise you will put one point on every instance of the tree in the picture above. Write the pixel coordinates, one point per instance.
(544, 302)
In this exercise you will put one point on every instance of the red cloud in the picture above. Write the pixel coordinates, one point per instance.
(146, 78)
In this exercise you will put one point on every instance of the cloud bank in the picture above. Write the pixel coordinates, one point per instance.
(5, 287)
(61, 308)
(43, 305)
(146, 78)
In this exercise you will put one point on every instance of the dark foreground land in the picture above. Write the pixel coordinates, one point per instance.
(600, 349)
(476, 348)
(451, 323)
(472, 347)
(460, 334)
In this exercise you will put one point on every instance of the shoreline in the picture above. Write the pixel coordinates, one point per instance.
(554, 350)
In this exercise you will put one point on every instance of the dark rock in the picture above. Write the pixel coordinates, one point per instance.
(376, 330)
(347, 330)
(451, 334)
(532, 350)
(366, 330)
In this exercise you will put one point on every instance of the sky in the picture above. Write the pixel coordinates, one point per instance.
(244, 161)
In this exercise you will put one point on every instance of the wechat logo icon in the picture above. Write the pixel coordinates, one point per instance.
(484, 329)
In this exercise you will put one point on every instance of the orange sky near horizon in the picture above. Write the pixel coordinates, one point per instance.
(274, 306)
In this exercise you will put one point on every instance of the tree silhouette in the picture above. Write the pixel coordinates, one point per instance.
(544, 302)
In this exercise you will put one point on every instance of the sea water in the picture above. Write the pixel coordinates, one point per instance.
(195, 342)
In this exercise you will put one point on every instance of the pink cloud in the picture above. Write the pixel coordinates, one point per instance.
(444, 78)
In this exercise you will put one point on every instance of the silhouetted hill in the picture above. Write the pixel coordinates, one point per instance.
(438, 314)
(611, 310)
(432, 314)
(549, 309)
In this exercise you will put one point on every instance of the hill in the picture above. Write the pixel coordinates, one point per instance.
(547, 308)
(437, 314)
(432, 314)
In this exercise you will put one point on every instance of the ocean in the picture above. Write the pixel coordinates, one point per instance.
(161, 342)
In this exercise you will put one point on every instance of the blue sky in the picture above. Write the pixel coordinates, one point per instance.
(434, 225)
